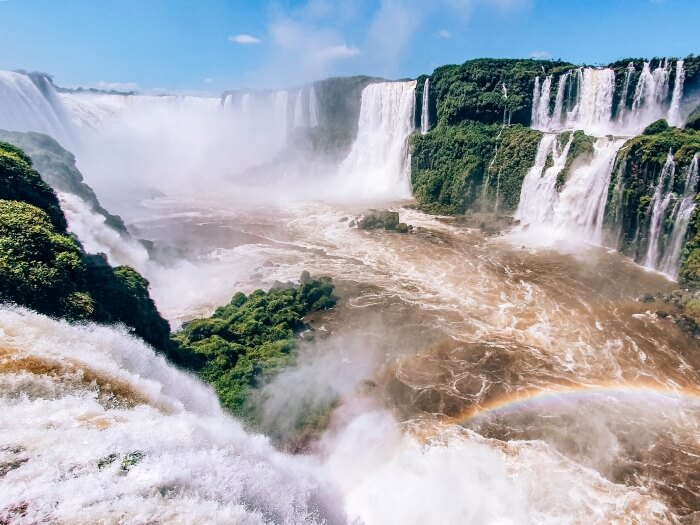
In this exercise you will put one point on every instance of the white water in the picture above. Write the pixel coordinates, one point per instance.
(314, 115)
(538, 196)
(378, 163)
(97, 237)
(577, 212)
(425, 109)
(592, 108)
(674, 112)
(681, 218)
(659, 205)
(581, 206)
(25, 107)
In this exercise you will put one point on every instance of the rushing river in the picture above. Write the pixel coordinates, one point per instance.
(542, 388)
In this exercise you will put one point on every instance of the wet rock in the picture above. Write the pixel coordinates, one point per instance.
(344, 219)
(382, 220)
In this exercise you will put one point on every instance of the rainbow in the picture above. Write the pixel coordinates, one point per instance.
(557, 395)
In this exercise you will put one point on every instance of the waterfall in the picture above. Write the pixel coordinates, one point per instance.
(378, 162)
(584, 100)
(97, 237)
(31, 104)
(425, 110)
(300, 120)
(681, 215)
(314, 119)
(674, 117)
(659, 205)
(280, 104)
(593, 111)
(538, 195)
(540, 103)
(622, 106)
(650, 96)
(556, 120)
(581, 205)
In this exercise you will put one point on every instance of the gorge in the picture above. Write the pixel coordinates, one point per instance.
(526, 353)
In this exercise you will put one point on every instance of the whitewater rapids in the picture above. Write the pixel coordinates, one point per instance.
(519, 384)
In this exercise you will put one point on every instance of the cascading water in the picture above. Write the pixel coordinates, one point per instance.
(26, 107)
(670, 260)
(538, 195)
(378, 163)
(314, 116)
(659, 205)
(674, 112)
(425, 109)
(581, 205)
(584, 100)
(97, 237)
(540, 103)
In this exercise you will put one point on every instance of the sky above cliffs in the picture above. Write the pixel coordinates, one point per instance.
(207, 46)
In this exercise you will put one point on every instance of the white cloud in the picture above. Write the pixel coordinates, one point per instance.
(208, 80)
(244, 39)
(444, 34)
(337, 52)
(541, 54)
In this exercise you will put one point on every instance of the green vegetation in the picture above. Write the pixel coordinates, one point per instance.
(249, 339)
(45, 268)
(473, 91)
(451, 164)
(580, 151)
(655, 127)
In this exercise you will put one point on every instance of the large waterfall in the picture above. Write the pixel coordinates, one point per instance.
(31, 104)
(578, 210)
(585, 100)
(379, 159)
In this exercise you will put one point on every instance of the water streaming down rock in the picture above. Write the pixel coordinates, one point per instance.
(577, 211)
(314, 115)
(538, 196)
(540, 103)
(581, 206)
(658, 206)
(32, 104)
(674, 112)
(683, 211)
(585, 96)
(425, 109)
(98, 237)
(378, 163)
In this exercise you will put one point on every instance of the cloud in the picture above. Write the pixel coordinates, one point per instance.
(208, 80)
(337, 52)
(444, 34)
(244, 39)
(541, 54)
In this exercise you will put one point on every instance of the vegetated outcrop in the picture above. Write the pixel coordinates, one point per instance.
(638, 170)
(471, 166)
(58, 169)
(45, 268)
(247, 341)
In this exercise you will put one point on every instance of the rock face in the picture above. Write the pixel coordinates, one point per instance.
(382, 220)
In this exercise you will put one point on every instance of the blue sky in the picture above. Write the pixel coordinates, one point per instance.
(211, 45)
